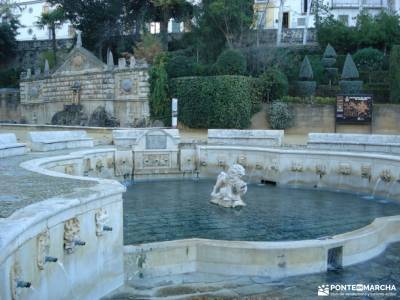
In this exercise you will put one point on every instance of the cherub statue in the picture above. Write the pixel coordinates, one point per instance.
(230, 188)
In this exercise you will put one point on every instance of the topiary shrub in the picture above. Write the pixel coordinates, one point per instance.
(394, 74)
(306, 86)
(349, 83)
(214, 101)
(369, 60)
(279, 116)
(180, 66)
(274, 84)
(329, 62)
(231, 62)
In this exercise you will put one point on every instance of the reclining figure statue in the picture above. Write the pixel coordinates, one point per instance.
(230, 188)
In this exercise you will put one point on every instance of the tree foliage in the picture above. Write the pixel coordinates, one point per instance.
(350, 70)
(8, 32)
(52, 20)
(394, 74)
(231, 62)
(159, 101)
(381, 32)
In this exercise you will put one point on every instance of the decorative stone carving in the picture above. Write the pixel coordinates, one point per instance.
(344, 169)
(274, 165)
(77, 61)
(366, 172)
(259, 166)
(132, 61)
(221, 163)
(69, 170)
(126, 85)
(230, 188)
(71, 235)
(203, 163)
(101, 218)
(297, 166)
(34, 91)
(99, 166)
(43, 248)
(15, 275)
(386, 175)
(156, 160)
(242, 160)
(320, 170)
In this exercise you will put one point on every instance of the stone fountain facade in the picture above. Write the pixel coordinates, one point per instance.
(83, 86)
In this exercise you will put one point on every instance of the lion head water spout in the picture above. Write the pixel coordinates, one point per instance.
(230, 188)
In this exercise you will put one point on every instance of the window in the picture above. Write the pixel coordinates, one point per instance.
(285, 20)
(45, 9)
(344, 19)
(30, 10)
(30, 31)
(301, 21)
(305, 6)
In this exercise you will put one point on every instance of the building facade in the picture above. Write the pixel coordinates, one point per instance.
(29, 13)
(295, 11)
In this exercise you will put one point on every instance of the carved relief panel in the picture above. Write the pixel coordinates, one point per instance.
(156, 160)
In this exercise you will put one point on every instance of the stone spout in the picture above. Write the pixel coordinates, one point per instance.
(79, 243)
(107, 228)
(50, 259)
(23, 284)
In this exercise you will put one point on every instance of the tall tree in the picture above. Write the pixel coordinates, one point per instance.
(52, 20)
(101, 22)
(164, 10)
(8, 31)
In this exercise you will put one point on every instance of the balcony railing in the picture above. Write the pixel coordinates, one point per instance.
(357, 3)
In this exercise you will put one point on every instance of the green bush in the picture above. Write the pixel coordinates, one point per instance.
(369, 60)
(349, 83)
(214, 101)
(279, 116)
(380, 92)
(256, 95)
(9, 78)
(306, 72)
(180, 66)
(231, 62)
(160, 106)
(394, 74)
(305, 86)
(274, 84)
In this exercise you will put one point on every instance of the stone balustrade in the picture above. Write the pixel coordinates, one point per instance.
(9, 145)
(57, 140)
(256, 138)
(354, 142)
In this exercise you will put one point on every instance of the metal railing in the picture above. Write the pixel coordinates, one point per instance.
(357, 3)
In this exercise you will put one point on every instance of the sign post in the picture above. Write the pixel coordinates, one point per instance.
(353, 109)
(174, 113)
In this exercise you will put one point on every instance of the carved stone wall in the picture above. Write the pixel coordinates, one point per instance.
(85, 80)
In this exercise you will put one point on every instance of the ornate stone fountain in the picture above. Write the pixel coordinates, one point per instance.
(229, 188)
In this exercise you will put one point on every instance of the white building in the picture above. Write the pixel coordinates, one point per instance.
(29, 13)
(294, 11)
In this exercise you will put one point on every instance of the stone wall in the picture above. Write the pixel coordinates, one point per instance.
(10, 109)
(84, 80)
(321, 118)
(29, 52)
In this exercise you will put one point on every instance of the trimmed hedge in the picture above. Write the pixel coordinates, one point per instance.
(394, 74)
(231, 62)
(214, 101)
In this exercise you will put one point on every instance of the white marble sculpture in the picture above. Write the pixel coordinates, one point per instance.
(230, 188)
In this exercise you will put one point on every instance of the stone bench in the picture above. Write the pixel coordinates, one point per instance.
(130, 137)
(9, 145)
(58, 140)
(252, 138)
(354, 142)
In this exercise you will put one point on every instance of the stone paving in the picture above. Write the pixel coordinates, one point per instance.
(384, 269)
(20, 187)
